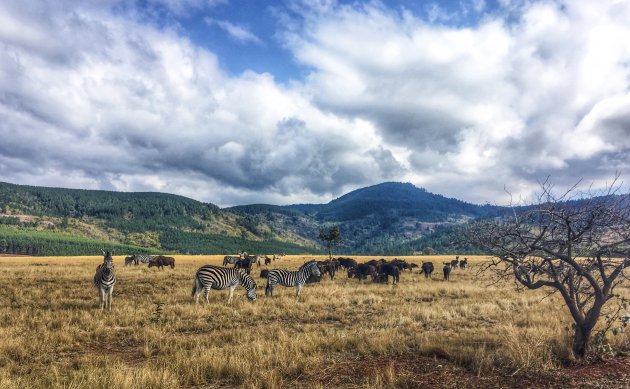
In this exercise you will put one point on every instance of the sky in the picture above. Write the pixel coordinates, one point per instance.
(282, 102)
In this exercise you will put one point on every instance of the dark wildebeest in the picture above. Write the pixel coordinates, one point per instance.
(362, 271)
(390, 270)
(427, 268)
(128, 261)
(263, 273)
(455, 263)
(326, 267)
(245, 264)
(346, 263)
(267, 260)
(160, 261)
(463, 264)
(401, 264)
(447, 270)
(381, 278)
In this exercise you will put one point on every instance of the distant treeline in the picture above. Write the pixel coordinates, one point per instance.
(135, 212)
(27, 241)
(44, 243)
(197, 243)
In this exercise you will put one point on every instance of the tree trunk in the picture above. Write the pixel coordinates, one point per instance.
(581, 340)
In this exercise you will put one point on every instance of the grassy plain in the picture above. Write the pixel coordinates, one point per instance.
(341, 333)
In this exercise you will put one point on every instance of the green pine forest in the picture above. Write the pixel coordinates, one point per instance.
(386, 219)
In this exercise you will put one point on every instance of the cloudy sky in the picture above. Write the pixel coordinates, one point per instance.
(236, 102)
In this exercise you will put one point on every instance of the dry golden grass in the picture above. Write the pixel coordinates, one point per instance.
(53, 334)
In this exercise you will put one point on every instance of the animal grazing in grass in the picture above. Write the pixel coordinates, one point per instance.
(346, 263)
(362, 271)
(105, 279)
(160, 261)
(215, 277)
(141, 258)
(389, 269)
(327, 267)
(455, 262)
(245, 263)
(231, 259)
(447, 270)
(128, 261)
(427, 268)
(295, 279)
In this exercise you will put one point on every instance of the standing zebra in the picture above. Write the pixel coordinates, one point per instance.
(231, 259)
(291, 278)
(105, 279)
(216, 277)
(139, 258)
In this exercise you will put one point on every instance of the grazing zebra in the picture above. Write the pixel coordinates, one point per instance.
(139, 258)
(105, 279)
(218, 278)
(296, 279)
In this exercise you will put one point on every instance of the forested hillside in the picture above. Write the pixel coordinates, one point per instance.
(389, 218)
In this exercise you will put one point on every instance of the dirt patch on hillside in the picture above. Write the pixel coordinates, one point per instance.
(414, 371)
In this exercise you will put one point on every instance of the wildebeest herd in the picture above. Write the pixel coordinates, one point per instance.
(222, 277)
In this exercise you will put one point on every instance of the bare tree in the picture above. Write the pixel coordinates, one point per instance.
(576, 243)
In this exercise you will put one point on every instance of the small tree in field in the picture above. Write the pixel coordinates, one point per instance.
(575, 243)
(427, 251)
(330, 238)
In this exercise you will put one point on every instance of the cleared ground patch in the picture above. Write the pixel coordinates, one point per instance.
(341, 333)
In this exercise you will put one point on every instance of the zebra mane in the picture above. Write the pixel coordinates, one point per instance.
(306, 264)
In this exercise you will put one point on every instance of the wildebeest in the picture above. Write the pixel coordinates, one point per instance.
(447, 270)
(267, 260)
(427, 268)
(463, 264)
(455, 263)
(389, 270)
(327, 267)
(346, 263)
(245, 263)
(128, 261)
(160, 261)
(362, 271)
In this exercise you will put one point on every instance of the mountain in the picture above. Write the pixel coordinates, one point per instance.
(394, 199)
(385, 218)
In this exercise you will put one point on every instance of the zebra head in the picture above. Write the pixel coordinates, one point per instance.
(108, 262)
(248, 283)
(310, 269)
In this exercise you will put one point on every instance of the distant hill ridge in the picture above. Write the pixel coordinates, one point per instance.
(374, 219)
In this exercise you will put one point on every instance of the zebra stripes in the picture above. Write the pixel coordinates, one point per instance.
(218, 278)
(105, 279)
(139, 258)
(287, 278)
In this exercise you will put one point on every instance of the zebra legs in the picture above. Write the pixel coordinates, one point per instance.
(298, 290)
(231, 294)
(269, 289)
(101, 297)
(108, 297)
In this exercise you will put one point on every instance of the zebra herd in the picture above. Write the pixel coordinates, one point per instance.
(218, 278)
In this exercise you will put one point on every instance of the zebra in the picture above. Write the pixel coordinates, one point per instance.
(216, 277)
(139, 258)
(105, 279)
(230, 259)
(291, 278)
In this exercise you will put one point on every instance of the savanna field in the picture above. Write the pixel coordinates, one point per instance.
(466, 332)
